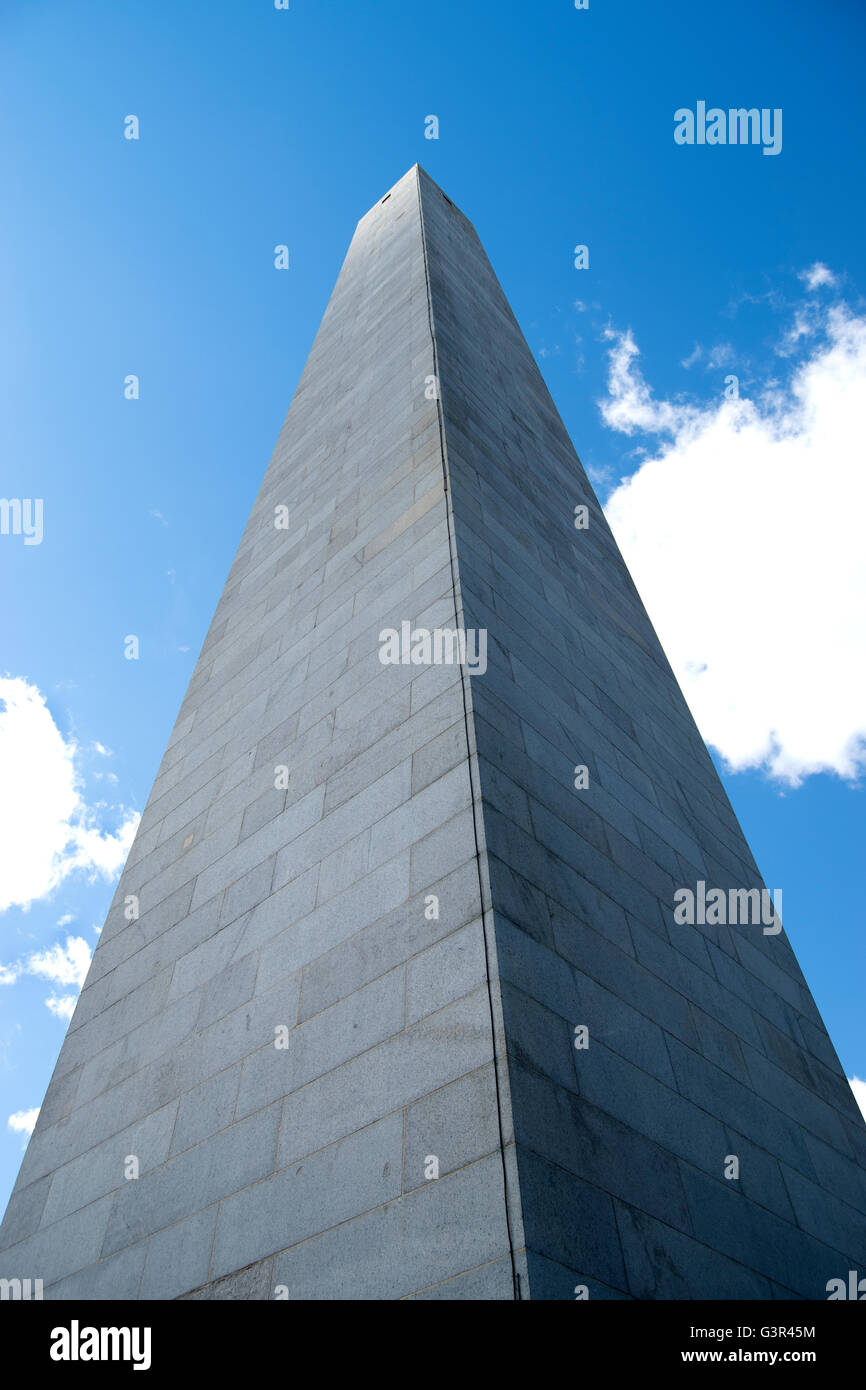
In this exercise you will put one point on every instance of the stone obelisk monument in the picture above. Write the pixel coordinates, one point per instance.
(392, 1000)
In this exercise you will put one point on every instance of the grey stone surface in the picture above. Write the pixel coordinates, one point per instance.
(178, 1257)
(425, 909)
(250, 1284)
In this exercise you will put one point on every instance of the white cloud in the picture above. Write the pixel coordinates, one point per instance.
(817, 275)
(46, 829)
(63, 1007)
(22, 1121)
(809, 322)
(630, 406)
(744, 535)
(859, 1089)
(722, 355)
(63, 965)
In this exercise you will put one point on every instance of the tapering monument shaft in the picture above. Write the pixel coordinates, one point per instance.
(391, 1001)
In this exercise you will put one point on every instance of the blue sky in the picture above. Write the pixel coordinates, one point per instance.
(155, 257)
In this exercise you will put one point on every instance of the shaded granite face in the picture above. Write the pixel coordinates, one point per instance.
(703, 1041)
(367, 907)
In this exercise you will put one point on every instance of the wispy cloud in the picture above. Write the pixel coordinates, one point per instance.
(62, 1007)
(64, 966)
(722, 355)
(817, 275)
(630, 406)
